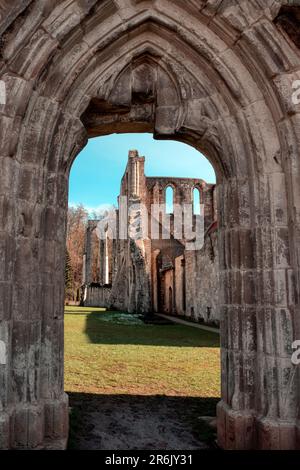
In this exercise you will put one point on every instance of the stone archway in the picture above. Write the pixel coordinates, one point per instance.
(215, 75)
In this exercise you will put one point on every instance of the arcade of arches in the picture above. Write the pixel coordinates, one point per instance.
(215, 74)
(169, 261)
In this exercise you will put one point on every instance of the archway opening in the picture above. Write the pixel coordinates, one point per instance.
(215, 75)
(121, 305)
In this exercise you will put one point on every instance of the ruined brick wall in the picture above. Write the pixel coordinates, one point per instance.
(202, 282)
(137, 285)
(182, 193)
(131, 282)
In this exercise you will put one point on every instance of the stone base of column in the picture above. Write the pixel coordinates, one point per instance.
(236, 430)
(276, 435)
(42, 426)
(5, 426)
(57, 422)
(239, 430)
(298, 435)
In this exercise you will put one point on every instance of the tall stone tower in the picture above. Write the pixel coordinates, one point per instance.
(136, 176)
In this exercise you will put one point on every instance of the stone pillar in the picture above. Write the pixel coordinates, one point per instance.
(156, 193)
(208, 201)
(136, 176)
(258, 406)
(108, 258)
(132, 173)
(154, 283)
(102, 262)
(33, 405)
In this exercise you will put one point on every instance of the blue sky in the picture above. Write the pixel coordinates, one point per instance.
(97, 171)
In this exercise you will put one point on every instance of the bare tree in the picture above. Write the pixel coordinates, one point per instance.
(77, 219)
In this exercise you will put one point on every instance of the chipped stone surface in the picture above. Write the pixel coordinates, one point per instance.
(213, 74)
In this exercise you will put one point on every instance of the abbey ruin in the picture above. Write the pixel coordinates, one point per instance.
(147, 274)
(221, 76)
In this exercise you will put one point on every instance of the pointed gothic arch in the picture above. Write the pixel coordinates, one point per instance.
(192, 72)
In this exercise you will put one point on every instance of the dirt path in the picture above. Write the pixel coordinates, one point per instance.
(125, 422)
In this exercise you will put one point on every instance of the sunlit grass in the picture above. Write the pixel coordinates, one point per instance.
(107, 354)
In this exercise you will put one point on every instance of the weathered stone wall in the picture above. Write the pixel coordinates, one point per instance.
(202, 282)
(97, 296)
(182, 193)
(130, 281)
(180, 286)
(216, 75)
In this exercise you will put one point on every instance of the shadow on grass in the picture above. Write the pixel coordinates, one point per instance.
(140, 422)
(111, 328)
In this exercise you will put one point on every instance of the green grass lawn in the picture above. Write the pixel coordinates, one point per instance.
(113, 353)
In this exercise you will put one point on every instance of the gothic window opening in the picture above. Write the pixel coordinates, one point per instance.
(196, 202)
(169, 200)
